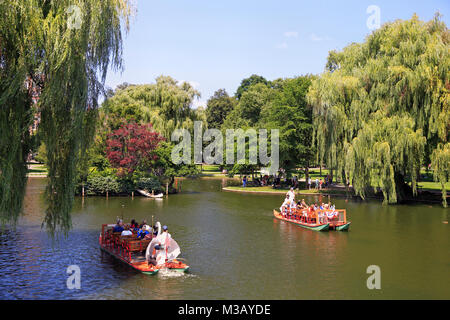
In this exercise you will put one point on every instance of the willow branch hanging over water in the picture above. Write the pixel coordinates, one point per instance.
(381, 109)
(65, 47)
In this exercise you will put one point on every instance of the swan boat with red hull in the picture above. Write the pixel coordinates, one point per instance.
(131, 251)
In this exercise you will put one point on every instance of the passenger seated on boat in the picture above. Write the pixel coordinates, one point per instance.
(321, 216)
(304, 215)
(127, 231)
(144, 223)
(284, 206)
(134, 225)
(149, 235)
(119, 226)
(310, 213)
(304, 204)
(143, 232)
(292, 208)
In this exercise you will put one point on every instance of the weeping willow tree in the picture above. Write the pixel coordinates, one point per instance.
(65, 47)
(166, 104)
(381, 108)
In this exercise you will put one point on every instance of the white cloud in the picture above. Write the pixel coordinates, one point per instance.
(291, 34)
(314, 37)
(282, 45)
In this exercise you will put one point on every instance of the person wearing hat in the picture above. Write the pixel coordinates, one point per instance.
(142, 233)
(162, 243)
(163, 238)
(165, 234)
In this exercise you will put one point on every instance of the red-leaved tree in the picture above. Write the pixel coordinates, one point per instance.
(132, 147)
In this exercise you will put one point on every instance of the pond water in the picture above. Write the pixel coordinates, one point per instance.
(235, 249)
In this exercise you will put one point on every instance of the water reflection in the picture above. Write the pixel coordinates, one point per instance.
(235, 248)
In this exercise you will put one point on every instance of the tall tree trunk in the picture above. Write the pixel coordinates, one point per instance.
(402, 189)
(306, 176)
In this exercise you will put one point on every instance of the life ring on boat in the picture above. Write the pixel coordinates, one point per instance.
(332, 215)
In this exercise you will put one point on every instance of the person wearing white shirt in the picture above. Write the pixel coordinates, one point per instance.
(291, 194)
(127, 231)
(285, 205)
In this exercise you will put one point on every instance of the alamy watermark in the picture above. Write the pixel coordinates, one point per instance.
(374, 20)
(374, 281)
(74, 280)
(235, 140)
(75, 19)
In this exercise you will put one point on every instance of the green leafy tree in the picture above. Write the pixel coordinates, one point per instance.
(290, 113)
(166, 170)
(382, 107)
(248, 82)
(218, 107)
(166, 104)
(68, 61)
(253, 101)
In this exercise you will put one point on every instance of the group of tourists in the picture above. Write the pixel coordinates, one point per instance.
(143, 231)
(319, 184)
(294, 182)
(300, 210)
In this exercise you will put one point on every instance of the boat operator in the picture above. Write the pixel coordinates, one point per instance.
(162, 241)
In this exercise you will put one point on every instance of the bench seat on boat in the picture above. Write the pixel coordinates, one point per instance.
(137, 245)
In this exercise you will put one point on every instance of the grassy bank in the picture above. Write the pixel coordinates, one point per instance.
(37, 170)
(268, 189)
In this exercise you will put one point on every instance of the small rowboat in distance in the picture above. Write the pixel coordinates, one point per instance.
(312, 226)
(150, 195)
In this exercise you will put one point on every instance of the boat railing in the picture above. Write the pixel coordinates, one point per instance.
(123, 246)
(330, 216)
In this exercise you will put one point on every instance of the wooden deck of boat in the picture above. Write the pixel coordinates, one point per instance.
(137, 262)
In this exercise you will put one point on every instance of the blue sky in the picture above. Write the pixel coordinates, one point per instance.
(215, 44)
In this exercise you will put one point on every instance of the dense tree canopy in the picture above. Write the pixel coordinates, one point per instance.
(248, 82)
(290, 113)
(166, 104)
(125, 120)
(218, 107)
(65, 53)
(381, 109)
(280, 104)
